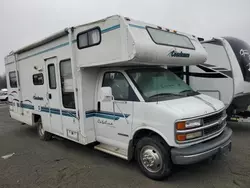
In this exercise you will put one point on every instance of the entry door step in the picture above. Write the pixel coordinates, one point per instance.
(118, 152)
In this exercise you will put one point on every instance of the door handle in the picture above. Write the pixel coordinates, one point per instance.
(50, 96)
(98, 106)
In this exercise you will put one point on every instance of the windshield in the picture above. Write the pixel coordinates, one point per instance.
(242, 53)
(159, 84)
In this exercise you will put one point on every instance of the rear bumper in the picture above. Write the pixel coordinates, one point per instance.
(199, 152)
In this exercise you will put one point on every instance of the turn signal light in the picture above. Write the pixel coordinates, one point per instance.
(181, 125)
(181, 137)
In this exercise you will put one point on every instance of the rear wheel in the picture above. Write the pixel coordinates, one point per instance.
(153, 157)
(43, 135)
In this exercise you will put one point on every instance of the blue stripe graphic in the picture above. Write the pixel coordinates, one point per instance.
(67, 43)
(68, 113)
(137, 26)
(106, 115)
(102, 116)
(89, 114)
(55, 111)
(51, 110)
(111, 28)
(44, 51)
(44, 109)
(27, 106)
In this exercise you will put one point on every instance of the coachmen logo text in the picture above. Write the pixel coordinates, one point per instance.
(178, 54)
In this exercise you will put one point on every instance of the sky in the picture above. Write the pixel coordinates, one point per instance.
(23, 22)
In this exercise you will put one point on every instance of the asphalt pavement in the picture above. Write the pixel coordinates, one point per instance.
(26, 161)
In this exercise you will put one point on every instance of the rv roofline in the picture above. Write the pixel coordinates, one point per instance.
(55, 36)
(43, 41)
(98, 21)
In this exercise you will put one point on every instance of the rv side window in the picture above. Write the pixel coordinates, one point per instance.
(13, 79)
(38, 79)
(167, 38)
(52, 76)
(89, 38)
(68, 98)
(121, 89)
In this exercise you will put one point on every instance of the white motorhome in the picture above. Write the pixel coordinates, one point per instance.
(225, 75)
(103, 83)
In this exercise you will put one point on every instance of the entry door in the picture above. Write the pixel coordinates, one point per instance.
(53, 95)
(114, 118)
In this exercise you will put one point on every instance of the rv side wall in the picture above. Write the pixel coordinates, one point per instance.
(215, 77)
(46, 87)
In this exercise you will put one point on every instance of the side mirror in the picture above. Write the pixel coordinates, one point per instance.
(106, 94)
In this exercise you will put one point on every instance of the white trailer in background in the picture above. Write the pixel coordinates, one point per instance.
(225, 75)
(103, 83)
(3, 95)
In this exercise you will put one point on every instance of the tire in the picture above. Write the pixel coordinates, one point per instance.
(154, 152)
(43, 135)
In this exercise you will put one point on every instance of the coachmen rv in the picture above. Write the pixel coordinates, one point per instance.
(103, 83)
(225, 75)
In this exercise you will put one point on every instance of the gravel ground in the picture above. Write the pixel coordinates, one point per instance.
(62, 163)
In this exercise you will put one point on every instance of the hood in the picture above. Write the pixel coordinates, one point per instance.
(193, 106)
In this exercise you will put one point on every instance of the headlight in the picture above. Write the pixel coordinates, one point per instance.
(193, 135)
(188, 124)
(193, 123)
(188, 136)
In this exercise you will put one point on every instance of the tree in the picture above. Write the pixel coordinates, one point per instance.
(3, 83)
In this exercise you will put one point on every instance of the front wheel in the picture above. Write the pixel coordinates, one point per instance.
(153, 157)
(43, 135)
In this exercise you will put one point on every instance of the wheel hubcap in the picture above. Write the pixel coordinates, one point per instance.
(151, 158)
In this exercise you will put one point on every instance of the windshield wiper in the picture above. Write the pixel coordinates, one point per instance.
(166, 94)
(186, 90)
(189, 91)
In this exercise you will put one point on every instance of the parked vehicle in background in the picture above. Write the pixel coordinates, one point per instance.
(225, 75)
(103, 83)
(3, 95)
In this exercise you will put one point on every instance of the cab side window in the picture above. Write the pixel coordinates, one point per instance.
(121, 89)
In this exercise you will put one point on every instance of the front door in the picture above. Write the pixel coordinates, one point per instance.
(113, 119)
(53, 95)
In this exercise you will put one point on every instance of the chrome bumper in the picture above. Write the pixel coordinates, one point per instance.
(199, 152)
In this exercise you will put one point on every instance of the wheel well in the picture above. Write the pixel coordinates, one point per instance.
(137, 136)
(142, 133)
(35, 118)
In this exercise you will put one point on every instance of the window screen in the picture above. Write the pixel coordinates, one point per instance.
(38, 79)
(89, 38)
(68, 98)
(52, 76)
(13, 79)
(162, 37)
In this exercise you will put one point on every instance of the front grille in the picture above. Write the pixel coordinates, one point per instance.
(212, 118)
(211, 125)
(213, 129)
